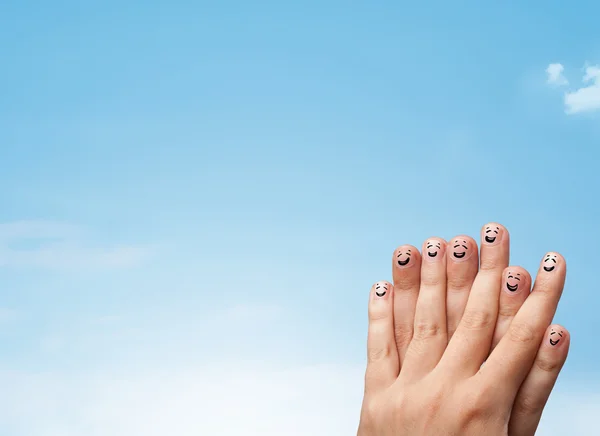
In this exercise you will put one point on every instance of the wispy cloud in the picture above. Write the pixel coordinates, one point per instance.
(231, 399)
(586, 98)
(60, 246)
(555, 75)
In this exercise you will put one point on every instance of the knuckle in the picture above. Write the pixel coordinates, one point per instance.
(403, 283)
(369, 417)
(477, 319)
(478, 405)
(507, 310)
(489, 263)
(547, 364)
(370, 410)
(426, 329)
(431, 279)
(459, 283)
(528, 405)
(403, 335)
(381, 313)
(431, 404)
(521, 332)
(377, 354)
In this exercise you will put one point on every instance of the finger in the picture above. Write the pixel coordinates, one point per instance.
(516, 284)
(461, 272)
(430, 334)
(406, 272)
(538, 385)
(510, 362)
(472, 340)
(382, 357)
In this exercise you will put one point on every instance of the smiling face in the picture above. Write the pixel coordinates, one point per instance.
(555, 336)
(432, 247)
(549, 262)
(459, 248)
(513, 281)
(381, 289)
(403, 257)
(491, 233)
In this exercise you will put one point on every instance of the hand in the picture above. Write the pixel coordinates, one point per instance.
(431, 331)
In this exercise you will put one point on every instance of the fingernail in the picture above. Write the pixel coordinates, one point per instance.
(556, 337)
(381, 290)
(514, 281)
(404, 257)
(433, 250)
(492, 234)
(550, 262)
(460, 249)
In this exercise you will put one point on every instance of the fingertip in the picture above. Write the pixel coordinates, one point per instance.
(557, 337)
(461, 248)
(493, 234)
(553, 261)
(381, 290)
(434, 248)
(406, 256)
(516, 280)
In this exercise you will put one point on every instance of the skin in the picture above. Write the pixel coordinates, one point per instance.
(431, 332)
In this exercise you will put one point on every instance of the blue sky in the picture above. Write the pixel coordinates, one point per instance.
(210, 188)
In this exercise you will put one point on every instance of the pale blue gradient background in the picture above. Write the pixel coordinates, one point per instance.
(268, 157)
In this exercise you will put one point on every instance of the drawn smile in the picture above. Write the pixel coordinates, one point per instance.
(553, 342)
(435, 245)
(400, 254)
(549, 258)
(511, 276)
(491, 233)
(382, 292)
(457, 244)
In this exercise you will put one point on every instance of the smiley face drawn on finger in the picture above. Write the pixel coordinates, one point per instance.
(512, 281)
(381, 289)
(555, 336)
(549, 262)
(433, 248)
(491, 233)
(403, 257)
(459, 248)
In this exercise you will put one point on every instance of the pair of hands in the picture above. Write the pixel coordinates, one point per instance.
(449, 311)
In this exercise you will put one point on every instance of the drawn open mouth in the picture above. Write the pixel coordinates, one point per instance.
(554, 342)
(490, 239)
(380, 295)
(403, 262)
(460, 255)
(432, 254)
(512, 288)
(548, 268)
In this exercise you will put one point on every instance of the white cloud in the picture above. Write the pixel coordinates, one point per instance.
(555, 75)
(234, 396)
(586, 98)
(226, 400)
(52, 245)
